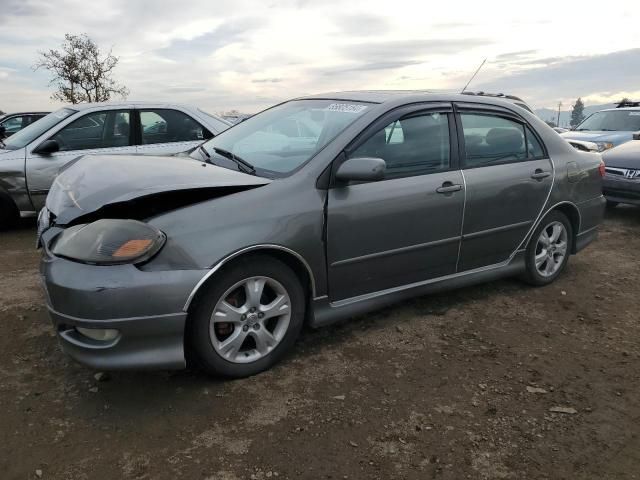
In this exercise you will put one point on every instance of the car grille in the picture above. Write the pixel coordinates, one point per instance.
(628, 173)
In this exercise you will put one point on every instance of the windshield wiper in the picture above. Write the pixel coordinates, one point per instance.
(204, 151)
(243, 165)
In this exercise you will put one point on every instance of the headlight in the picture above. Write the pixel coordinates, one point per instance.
(109, 242)
(602, 146)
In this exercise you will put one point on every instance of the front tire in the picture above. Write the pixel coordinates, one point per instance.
(549, 248)
(247, 318)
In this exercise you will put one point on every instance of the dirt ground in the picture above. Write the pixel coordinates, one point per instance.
(451, 386)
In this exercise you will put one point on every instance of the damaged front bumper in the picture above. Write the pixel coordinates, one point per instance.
(142, 313)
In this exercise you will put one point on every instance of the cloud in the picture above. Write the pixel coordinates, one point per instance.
(362, 24)
(210, 42)
(400, 50)
(504, 57)
(250, 53)
(267, 80)
(572, 77)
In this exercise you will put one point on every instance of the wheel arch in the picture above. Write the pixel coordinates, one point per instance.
(571, 211)
(289, 257)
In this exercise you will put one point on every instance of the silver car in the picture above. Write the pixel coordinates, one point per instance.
(224, 257)
(31, 158)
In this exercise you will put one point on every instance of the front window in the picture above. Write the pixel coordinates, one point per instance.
(612, 120)
(416, 145)
(281, 139)
(107, 129)
(28, 134)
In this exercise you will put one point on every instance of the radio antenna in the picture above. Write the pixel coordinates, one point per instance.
(473, 76)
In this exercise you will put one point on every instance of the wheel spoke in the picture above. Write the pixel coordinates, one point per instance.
(227, 313)
(280, 306)
(555, 233)
(544, 236)
(551, 265)
(541, 257)
(230, 347)
(253, 289)
(264, 340)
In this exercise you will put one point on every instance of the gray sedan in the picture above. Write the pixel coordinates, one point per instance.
(389, 195)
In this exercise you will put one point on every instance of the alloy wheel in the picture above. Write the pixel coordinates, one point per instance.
(551, 249)
(250, 319)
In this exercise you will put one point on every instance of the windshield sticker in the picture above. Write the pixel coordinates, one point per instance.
(346, 107)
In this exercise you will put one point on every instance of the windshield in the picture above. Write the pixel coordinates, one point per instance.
(621, 120)
(28, 134)
(279, 140)
(220, 123)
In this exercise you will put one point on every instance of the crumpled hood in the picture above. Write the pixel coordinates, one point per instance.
(616, 138)
(624, 156)
(94, 182)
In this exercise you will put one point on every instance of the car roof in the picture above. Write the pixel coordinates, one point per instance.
(30, 112)
(86, 106)
(618, 109)
(409, 96)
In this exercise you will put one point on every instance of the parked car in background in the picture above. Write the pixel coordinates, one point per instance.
(31, 158)
(583, 145)
(608, 128)
(14, 122)
(401, 194)
(622, 180)
(560, 129)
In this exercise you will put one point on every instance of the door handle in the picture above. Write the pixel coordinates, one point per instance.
(449, 187)
(539, 174)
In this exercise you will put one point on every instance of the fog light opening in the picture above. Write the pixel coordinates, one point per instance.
(99, 334)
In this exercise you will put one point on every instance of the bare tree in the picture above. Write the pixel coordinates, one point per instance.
(80, 72)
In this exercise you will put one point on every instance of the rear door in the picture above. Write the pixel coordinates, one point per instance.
(508, 177)
(104, 132)
(165, 131)
(405, 228)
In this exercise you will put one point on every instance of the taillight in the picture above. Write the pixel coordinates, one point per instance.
(601, 169)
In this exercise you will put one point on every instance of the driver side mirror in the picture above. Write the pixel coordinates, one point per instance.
(47, 147)
(362, 170)
(636, 136)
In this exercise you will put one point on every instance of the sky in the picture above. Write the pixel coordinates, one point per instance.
(247, 55)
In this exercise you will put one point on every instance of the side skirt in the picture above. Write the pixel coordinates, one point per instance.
(326, 312)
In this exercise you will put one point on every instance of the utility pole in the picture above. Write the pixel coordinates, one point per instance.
(558, 121)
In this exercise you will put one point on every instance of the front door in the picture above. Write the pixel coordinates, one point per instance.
(405, 228)
(508, 177)
(105, 133)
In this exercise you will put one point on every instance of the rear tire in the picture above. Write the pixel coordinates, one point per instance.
(9, 213)
(549, 249)
(247, 318)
